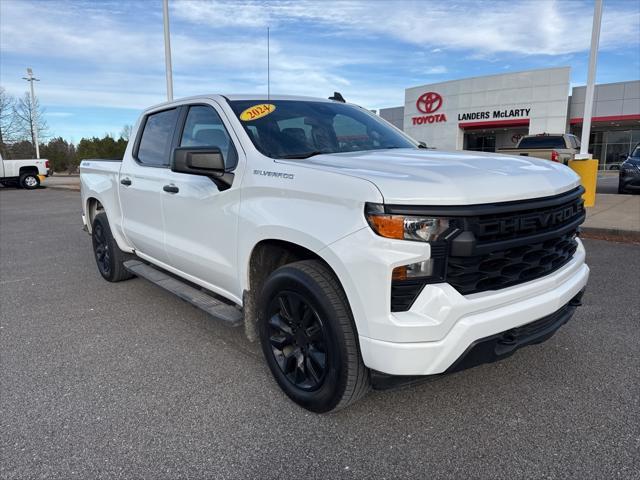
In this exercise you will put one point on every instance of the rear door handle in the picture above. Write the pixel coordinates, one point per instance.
(126, 182)
(171, 189)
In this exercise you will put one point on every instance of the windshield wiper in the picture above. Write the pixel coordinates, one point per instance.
(302, 155)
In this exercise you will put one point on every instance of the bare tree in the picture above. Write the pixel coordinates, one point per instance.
(29, 118)
(8, 125)
(125, 133)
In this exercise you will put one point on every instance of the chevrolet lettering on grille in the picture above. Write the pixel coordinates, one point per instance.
(542, 220)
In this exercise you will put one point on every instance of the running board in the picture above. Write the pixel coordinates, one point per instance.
(216, 308)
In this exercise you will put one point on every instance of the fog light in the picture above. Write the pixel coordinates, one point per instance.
(432, 270)
(414, 270)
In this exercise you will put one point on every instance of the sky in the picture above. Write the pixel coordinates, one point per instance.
(101, 62)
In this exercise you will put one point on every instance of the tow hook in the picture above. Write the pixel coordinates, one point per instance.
(577, 300)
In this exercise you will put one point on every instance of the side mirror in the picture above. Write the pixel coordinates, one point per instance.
(207, 161)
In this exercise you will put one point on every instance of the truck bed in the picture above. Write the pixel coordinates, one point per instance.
(564, 155)
(102, 175)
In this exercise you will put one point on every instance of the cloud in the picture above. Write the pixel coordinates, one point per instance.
(59, 114)
(531, 27)
(99, 59)
(108, 54)
(436, 70)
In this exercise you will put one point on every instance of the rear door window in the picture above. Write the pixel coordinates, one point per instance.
(155, 141)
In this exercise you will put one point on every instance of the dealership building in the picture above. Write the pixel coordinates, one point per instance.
(486, 113)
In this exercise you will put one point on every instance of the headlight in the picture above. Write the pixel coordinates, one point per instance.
(405, 227)
(407, 281)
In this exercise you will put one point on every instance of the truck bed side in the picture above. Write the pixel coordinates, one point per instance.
(99, 182)
(544, 153)
(563, 147)
(11, 168)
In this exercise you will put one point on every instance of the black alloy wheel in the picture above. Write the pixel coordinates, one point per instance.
(298, 340)
(102, 250)
(109, 258)
(309, 339)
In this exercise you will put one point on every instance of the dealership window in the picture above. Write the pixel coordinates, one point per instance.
(480, 142)
(610, 146)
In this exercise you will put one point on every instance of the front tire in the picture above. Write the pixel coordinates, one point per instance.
(309, 338)
(109, 258)
(29, 181)
(620, 189)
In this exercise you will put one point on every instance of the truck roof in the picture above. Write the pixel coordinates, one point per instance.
(239, 96)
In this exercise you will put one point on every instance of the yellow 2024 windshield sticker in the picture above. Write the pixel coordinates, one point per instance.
(257, 111)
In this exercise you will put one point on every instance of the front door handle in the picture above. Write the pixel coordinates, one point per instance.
(171, 189)
(126, 182)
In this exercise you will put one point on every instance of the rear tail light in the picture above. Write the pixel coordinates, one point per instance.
(46, 164)
(554, 156)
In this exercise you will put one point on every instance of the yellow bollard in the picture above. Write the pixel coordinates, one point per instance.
(588, 171)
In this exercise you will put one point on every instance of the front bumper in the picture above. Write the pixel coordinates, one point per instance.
(494, 347)
(630, 181)
(470, 319)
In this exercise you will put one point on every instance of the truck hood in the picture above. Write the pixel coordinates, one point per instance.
(434, 177)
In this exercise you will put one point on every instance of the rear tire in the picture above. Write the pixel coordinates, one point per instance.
(309, 338)
(109, 258)
(29, 181)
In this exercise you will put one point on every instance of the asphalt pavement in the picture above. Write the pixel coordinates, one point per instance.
(101, 380)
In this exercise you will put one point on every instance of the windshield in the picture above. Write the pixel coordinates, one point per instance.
(301, 129)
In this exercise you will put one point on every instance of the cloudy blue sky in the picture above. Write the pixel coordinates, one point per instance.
(101, 62)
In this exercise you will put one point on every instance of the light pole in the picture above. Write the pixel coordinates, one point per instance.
(167, 49)
(591, 78)
(34, 111)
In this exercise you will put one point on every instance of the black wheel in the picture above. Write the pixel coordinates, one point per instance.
(309, 339)
(29, 181)
(620, 188)
(109, 257)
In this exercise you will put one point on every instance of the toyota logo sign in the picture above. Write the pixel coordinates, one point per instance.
(429, 102)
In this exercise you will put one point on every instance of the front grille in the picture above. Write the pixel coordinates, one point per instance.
(527, 240)
(504, 268)
(494, 246)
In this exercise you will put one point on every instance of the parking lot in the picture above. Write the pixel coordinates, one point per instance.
(122, 380)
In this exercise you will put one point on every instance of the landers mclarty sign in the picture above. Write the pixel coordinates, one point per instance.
(430, 102)
(496, 114)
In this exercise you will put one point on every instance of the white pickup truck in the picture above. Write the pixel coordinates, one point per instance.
(23, 173)
(356, 257)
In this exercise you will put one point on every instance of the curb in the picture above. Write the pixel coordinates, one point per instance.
(613, 234)
(69, 188)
